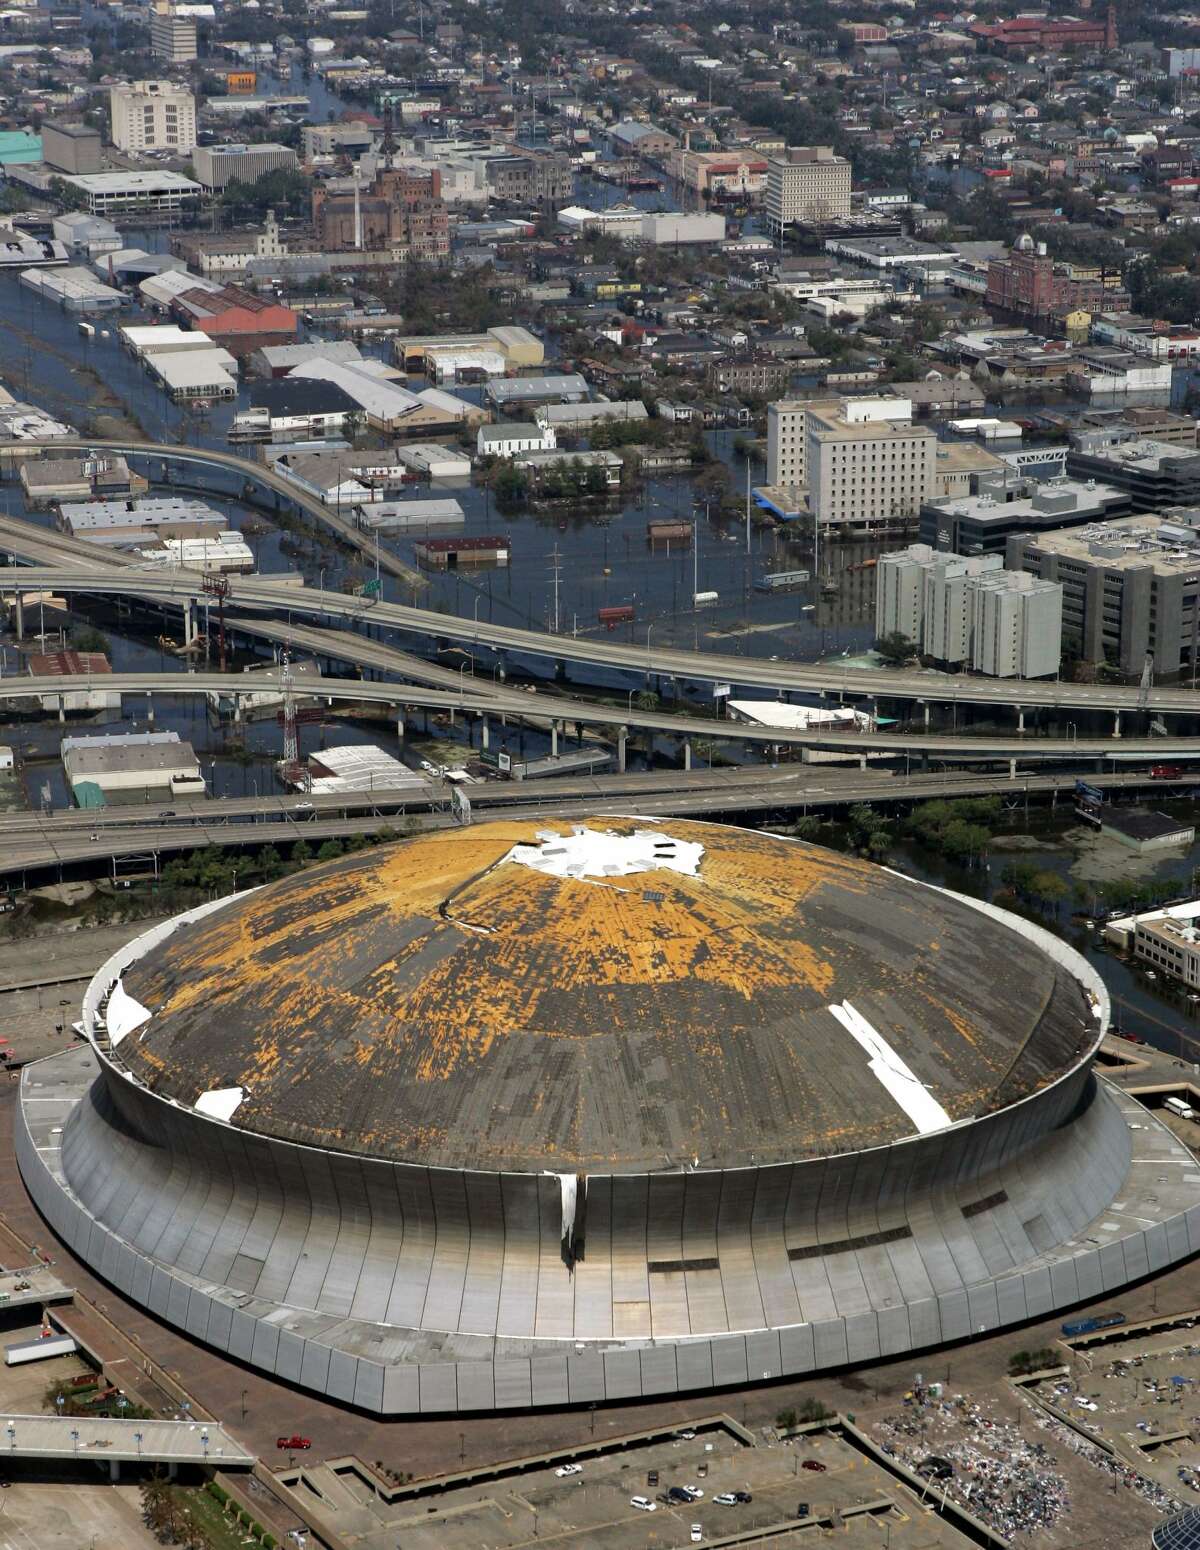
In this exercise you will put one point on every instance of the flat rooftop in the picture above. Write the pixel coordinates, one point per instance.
(1127, 543)
(1143, 453)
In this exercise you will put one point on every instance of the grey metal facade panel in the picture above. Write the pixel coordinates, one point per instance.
(368, 1385)
(954, 1315)
(476, 1386)
(485, 1260)
(220, 1318)
(289, 1356)
(385, 1244)
(400, 1391)
(1158, 1251)
(585, 1376)
(448, 1268)
(514, 1386)
(548, 1380)
(242, 1331)
(729, 1360)
(314, 1366)
(862, 1338)
(199, 1306)
(658, 1375)
(797, 1348)
(411, 1285)
(763, 1356)
(340, 1286)
(1136, 1259)
(1038, 1294)
(159, 1296)
(895, 1335)
(622, 1374)
(693, 1364)
(343, 1371)
(829, 1343)
(438, 1388)
(517, 1309)
(265, 1345)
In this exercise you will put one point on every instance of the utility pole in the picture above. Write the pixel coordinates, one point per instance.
(556, 570)
(747, 502)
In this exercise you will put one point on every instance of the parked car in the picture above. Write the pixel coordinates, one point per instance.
(692, 1492)
(815, 1465)
(643, 1504)
(726, 1499)
(568, 1469)
(294, 1443)
(697, 1534)
(676, 1493)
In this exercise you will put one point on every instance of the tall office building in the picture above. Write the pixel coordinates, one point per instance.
(172, 37)
(970, 611)
(786, 429)
(867, 467)
(809, 184)
(153, 116)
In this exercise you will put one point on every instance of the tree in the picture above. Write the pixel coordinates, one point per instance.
(160, 1508)
(896, 648)
(301, 853)
(330, 850)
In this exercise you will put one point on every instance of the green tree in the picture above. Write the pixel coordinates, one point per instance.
(896, 648)
(301, 853)
(330, 850)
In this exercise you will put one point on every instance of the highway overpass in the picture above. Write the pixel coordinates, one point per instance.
(138, 838)
(486, 701)
(248, 471)
(650, 662)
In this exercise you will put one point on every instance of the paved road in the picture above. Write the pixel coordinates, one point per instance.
(649, 661)
(257, 473)
(480, 697)
(41, 843)
(171, 1442)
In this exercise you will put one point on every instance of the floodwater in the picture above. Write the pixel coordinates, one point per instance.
(1154, 1010)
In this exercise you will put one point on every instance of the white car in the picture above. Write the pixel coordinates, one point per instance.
(643, 1504)
(568, 1469)
(697, 1534)
(693, 1491)
(726, 1499)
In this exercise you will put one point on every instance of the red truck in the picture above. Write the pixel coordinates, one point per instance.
(1166, 772)
(618, 614)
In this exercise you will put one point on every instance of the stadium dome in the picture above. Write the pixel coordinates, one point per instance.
(521, 1114)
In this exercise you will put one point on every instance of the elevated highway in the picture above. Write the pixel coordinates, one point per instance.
(486, 701)
(33, 843)
(646, 663)
(245, 469)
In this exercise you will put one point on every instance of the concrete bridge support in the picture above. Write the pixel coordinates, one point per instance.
(1116, 731)
(483, 732)
(20, 617)
(622, 739)
(687, 753)
(554, 739)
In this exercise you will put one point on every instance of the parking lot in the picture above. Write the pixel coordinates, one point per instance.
(1141, 1396)
(1026, 1475)
(821, 1477)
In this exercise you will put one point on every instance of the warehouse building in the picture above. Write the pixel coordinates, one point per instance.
(488, 1194)
(130, 766)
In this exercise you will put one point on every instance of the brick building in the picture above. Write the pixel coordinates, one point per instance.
(1029, 284)
(238, 320)
(402, 210)
(1042, 33)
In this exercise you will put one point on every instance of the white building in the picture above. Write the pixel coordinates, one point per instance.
(125, 764)
(968, 610)
(866, 466)
(508, 440)
(1016, 625)
(152, 116)
(809, 184)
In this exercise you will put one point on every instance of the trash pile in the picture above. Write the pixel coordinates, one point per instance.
(1006, 1480)
(1121, 1473)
